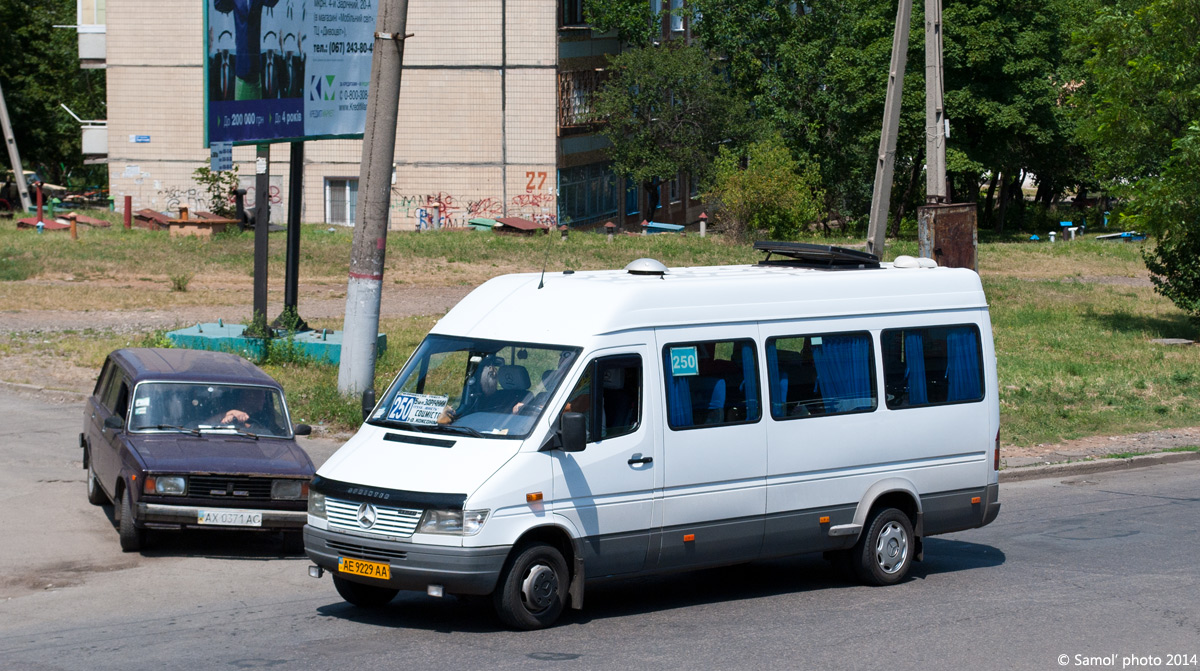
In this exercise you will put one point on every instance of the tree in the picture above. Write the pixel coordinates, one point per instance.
(1140, 117)
(767, 190)
(665, 110)
(39, 70)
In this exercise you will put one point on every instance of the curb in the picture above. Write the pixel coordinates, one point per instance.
(1095, 466)
(17, 386)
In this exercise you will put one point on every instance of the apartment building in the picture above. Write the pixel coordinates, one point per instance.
(492, 118)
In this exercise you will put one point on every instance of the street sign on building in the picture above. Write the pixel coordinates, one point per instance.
(280, 70)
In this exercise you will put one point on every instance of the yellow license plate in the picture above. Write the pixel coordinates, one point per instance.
(369, 569)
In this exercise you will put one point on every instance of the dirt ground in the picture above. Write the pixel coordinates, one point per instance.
(58, 381)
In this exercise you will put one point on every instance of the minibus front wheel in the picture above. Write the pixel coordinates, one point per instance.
(363, 596)
(533, 588)
(885, 550)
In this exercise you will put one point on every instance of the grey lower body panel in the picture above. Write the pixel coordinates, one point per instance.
(156, 514)
(413, 567)
(946, 512)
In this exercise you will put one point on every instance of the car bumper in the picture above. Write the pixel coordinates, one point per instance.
(158, 514)
(412, 567)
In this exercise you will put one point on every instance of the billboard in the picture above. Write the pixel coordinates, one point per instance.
(280, 70)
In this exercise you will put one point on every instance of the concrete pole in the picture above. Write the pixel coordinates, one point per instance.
(886, 161)
(14, 156)
(935, 113)
(356, 372)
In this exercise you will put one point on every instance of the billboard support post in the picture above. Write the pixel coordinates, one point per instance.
(356, 371)
(290, 317)
(262, 228)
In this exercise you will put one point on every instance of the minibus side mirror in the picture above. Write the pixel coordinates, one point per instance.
(572, 430)
(569, 436)
(368, 403)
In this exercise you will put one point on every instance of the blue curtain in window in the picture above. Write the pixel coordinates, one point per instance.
(914, 354)
(778, 381)
(750, 382)
(962, 365)
(679, 400)
(843, 369)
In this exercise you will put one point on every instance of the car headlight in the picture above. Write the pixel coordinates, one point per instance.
(169, 485)
(288, 489)
(455, 522)
(316, 504)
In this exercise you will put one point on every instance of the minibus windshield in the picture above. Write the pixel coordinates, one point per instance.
(475, 387)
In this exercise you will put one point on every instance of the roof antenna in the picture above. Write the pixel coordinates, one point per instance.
(545, 259)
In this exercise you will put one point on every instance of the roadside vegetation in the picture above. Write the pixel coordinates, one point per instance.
(1073, 321)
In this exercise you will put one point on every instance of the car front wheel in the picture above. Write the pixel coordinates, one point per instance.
(133, 539)
(364, 596)
(533, 591)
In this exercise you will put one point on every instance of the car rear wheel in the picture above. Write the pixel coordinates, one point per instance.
(133, 539)
(885, 551)
(95, 492)
(364, 596)
(533, 591)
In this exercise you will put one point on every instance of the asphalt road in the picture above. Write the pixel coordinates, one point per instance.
(1095, 565)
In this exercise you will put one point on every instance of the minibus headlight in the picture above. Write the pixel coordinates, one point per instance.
(456, 522)
(316, 504)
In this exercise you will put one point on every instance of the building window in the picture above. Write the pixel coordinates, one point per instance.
(575, 89)
(571, 13)
(631, 198)
(711, 383)
(827, 374)
(341, 201)
(677, 16)
(587, 194)
(673, 190)
(932, 366)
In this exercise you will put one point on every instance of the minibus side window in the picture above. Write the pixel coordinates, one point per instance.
(711, 383)
(825, 374)
(932, 366)
(609, 395)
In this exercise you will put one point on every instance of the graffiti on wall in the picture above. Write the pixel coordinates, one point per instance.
(444, 210)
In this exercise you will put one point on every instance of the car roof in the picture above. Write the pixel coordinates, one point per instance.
(159, 364)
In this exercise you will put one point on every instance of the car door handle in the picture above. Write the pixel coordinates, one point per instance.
(635, 459)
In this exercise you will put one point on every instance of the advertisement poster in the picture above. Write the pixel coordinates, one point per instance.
(282, 70)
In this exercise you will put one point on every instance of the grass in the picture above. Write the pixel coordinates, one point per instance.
(1130, 455)
(1072, 322)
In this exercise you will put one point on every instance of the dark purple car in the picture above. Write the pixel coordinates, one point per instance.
(179, 438)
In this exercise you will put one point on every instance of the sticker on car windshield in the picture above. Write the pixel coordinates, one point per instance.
(684, 361)
(417, 408)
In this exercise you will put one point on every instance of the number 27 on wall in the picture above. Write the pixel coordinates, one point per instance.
(539, 177)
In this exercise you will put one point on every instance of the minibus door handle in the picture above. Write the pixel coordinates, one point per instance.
(638, 459)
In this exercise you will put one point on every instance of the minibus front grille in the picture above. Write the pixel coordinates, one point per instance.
(356, 551)
(398, 522)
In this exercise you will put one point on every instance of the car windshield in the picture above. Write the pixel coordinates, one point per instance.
(475, 387)
(189, 407)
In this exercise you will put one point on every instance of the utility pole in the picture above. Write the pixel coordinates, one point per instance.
(14, 156)
(262, 230)
(936, 128)
(886, 160)
(356, 372)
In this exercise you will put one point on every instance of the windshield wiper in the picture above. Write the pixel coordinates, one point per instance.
(226, 429)
(180, 429)
(461, 429)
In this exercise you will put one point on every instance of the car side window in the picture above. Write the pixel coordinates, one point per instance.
(609, 395)
(711, 383)
(821, 374)
(112, 391)
(932, 366)
(102, 381)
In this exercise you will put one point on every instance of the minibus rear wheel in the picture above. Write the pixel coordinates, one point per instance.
(885, 551)
(364, 596)
(533, 590)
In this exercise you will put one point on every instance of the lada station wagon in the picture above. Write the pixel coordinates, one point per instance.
(186, 439)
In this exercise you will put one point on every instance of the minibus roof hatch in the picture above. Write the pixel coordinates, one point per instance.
(806, 255)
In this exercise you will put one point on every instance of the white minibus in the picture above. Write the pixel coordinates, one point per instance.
(556, 429)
